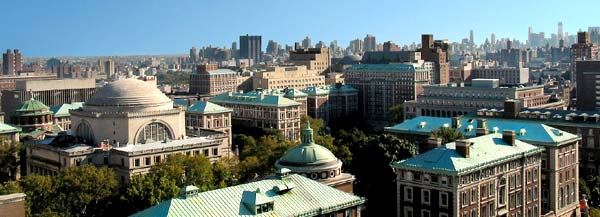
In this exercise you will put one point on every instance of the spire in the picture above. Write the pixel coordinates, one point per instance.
(307, 134)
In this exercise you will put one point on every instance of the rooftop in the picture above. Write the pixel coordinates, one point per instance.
(535, 133)
(484, 151)
(254, 99)
(63, 109)
(5, 128)
(304, 197)
(205, 107)
(386, 68)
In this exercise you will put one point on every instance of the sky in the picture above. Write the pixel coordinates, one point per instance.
(127, 27)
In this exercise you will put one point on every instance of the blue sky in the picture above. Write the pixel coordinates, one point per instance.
(122, 27)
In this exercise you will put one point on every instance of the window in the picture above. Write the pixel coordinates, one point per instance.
(425, 197)
(408, 194)
(473, 195)
(136, 162)
(443, 214)
(464, 198)
(215, 151)
(443, 199)
(425, 213)
(474, 213)
(154, 132)
(492, 209)
(157, 159)
(408, 211)
(205, 152)
(147, 161)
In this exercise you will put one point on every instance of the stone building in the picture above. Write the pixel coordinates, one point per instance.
(490, 175)
(61, 116)
(316, 162)
(261, 110)
(506, 75)
(317, 59)
(588, 85)
(298, 77)
(32, 115)
(582, 50)
(382, 86)
(206, 116)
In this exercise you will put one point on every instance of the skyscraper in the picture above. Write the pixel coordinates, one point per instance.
(471, 41)
(493, 38)
(250, 48)
(272, 48)
(436, 52)
(594, 34)
(529, 32)
(306, 43)
(561, 35)
(370, 43)
(12, 62)
(583, 50)
(194, 56)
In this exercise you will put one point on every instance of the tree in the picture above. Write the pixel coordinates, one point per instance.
(143, 191)
(594, 212)
(186, 170)
(84, 190)
(396, 114)
(226, 171)
(9, 159)
(40, 193)
(10, 187)
(447, 134)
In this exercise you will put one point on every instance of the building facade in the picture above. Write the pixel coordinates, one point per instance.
(263, 110)
(317, 59)
(206, 116)
(251, 48)
(330, 102)
(582, 50)
(12, 62)
(457, 99)
(506, 75)
(381, 86)
(210, 81)
(588, 85)
(298, 77)
(436, 51)
(491, 175)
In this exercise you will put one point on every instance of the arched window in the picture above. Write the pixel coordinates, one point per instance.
(85, 131)
(154, 132)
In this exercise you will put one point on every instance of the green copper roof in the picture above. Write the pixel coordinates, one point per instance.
(329, 89)
(63, 110)
(254, 99)
(385, 68)
(205, 107)
(5, 128)
(534, 133)
(484, 151)
(303, 197)
(34, 134)
(308, 152)
(31, 106)
(294, 93)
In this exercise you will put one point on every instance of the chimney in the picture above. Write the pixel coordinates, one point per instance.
(463, 147)
(433, 143)
(509, 136)
(456, 122)
(512, 108)
(481, 127)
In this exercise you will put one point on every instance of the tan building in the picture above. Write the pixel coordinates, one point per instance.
(205, 116)
(209, 80)
(453, 99)
(317, 59)
(127, 125)
(506, 75)
(298, 77)
(263, 110)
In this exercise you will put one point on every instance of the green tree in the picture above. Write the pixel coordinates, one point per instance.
(40, 191)
(85, 190)
(10, 187)
(9, 159)
(396, 114)
(594, 212)
(593, 184)
(226, 171)
(143, 191)
(447, 134)
(583, 188)
(186, 170)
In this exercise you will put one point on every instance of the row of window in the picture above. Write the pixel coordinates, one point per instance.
(147, 161)
(425, 178)
(408, 212)
(426, 197)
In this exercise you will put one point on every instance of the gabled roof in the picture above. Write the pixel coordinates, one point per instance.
(31, 105)
(205, 107)
(63, 109)
(535, 133)
(306, 198)
(254, 99)
(484, 151)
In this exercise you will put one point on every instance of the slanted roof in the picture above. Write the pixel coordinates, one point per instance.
(5, 128)
(254, 99)
(484, 151)
(536, 133)
(32, 107)
(205, 107)
(306, 198)
(63, 109)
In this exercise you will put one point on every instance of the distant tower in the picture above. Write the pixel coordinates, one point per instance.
(370, 43)
(251, 48)
(194, 56)
(306, 43)
(493, 37)
(529, 32)
(12, 62)
(471, 38)
(560, 31)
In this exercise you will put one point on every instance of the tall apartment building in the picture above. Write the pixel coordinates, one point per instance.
(317, 59)
(49, 92)
(260, 110)
(298, 77)
(511, 57)
(490, 175)
(250, 48)
(457, 99)
(583, 50)
(209, 80)
(381, 86)
(436, 52)
(387, 57)
(559, 173)
(506, 75)
(370, 43)
(588, 85)
(12, 62)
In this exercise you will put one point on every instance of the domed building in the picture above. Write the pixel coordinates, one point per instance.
(32, 115)
(316, 162)
(128, 111)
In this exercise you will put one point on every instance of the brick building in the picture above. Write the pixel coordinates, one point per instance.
(209, 80)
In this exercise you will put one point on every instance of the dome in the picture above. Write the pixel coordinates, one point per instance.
(350, 59)
(128, 94)
(308, 153)
(31, 105)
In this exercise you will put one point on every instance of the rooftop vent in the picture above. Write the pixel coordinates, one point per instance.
(509, 137)
(469, 128)
(189, 191)
(422, 124)
(463, 147)
(284, 188)
(257, 202)
(522, 132)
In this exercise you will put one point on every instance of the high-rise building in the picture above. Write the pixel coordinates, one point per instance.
(281, 77)
(12, 62)
(382, 86)
(107, 67)
(389, 46)
(318, 59)
(357, 46)
(471, 40)
(436, 52)
(588, 85)
(529, 36)
(251, 48)
(209, 80)
(560, 33)
(370, 43)
(583, 50)
(194, 56)
(306, 43)
(493, 38)
(272, 48)
(594, 34)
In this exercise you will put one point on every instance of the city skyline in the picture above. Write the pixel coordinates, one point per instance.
(138, 28)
